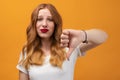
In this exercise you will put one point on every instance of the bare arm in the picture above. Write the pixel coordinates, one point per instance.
(23, 76)
(72, 38)
(95, 37)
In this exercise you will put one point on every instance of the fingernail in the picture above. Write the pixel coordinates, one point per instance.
(68, 59)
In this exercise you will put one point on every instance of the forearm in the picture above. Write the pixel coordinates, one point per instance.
(96, 36)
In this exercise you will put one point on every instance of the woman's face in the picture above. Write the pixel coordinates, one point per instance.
(45, 24)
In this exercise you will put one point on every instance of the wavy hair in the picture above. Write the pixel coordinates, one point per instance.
(34, 54)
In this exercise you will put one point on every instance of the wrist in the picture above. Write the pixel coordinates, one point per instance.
(85, 36)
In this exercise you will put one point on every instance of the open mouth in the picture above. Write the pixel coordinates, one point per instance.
(44, 30)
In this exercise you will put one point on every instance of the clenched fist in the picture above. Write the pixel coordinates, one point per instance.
(71, 39)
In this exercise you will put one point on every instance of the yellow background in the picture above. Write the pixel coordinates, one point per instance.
(100, 63)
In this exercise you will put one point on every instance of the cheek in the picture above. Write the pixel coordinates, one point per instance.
(52, 27)
(37, 24)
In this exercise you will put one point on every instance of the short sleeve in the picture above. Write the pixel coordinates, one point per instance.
(21, 67)
(76, 52)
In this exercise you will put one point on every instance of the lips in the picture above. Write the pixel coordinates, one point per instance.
(44, 30)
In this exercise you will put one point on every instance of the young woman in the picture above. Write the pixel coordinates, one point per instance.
(50, 53)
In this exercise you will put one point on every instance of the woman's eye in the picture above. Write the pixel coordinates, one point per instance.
(50, 19)
(39, 19)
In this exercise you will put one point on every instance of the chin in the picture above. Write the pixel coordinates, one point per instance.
(45, 37)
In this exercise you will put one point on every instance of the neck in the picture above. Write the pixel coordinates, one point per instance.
(46, 43)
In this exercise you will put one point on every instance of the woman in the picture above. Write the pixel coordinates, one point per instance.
(50, 53)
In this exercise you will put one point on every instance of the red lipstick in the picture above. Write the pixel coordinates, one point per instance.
(44, 30)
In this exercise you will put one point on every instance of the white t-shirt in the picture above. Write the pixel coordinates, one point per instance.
(49, 72)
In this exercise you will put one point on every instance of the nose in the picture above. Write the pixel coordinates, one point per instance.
(44, 24)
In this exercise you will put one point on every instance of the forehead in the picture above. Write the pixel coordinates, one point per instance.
(44, 12)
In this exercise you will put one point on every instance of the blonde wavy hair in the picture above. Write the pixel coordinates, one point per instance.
(34, 54)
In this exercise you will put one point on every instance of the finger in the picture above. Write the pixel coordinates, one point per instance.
(64, 45)
(65, 32)
(64, 41)
(64, 36)
(69, 53)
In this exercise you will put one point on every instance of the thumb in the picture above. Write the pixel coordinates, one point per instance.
(69, 53)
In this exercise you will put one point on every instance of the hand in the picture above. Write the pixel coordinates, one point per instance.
(71, 39)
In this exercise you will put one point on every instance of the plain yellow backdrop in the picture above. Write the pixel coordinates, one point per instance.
(100, 63)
